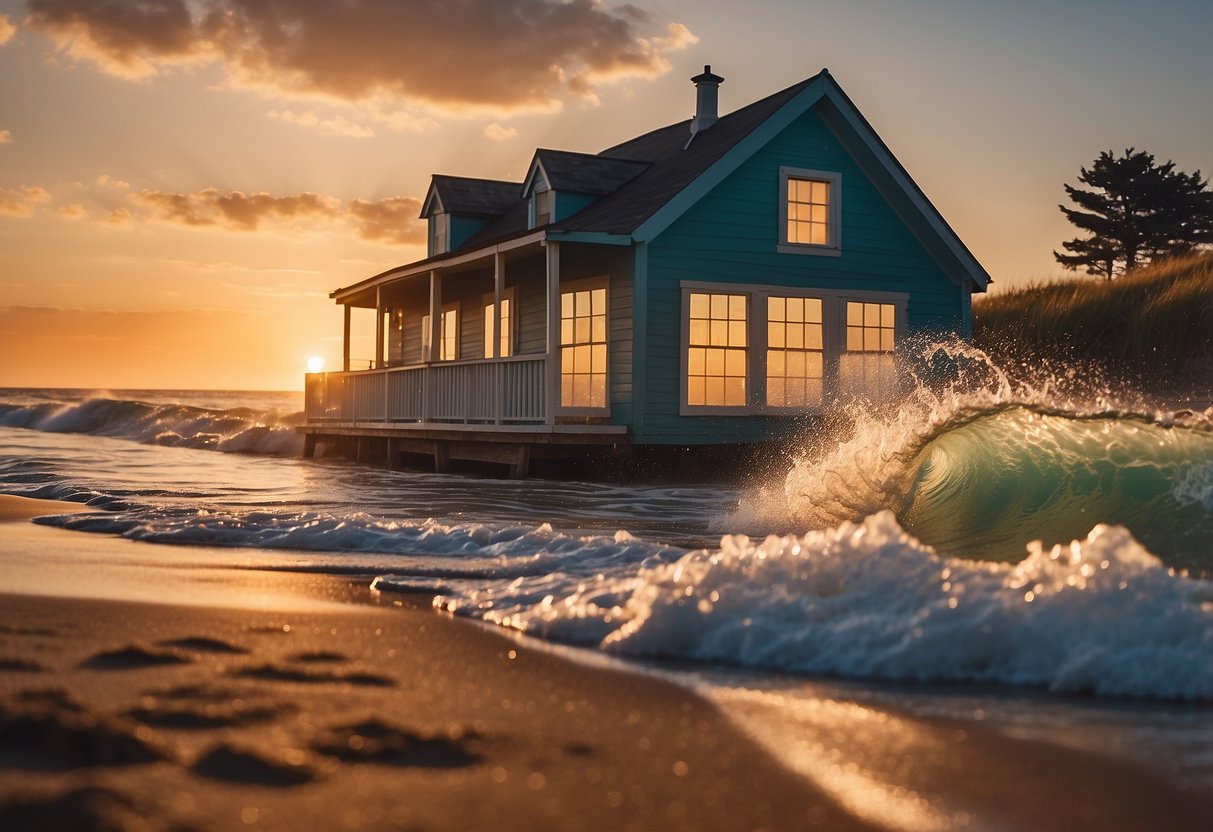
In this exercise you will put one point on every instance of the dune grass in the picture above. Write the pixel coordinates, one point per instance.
(1152, 329)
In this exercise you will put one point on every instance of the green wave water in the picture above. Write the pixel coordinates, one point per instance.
(983, 488)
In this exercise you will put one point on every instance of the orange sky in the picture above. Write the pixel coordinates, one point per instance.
(183, 182)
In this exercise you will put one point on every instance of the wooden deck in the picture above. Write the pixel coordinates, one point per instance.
(492, 410)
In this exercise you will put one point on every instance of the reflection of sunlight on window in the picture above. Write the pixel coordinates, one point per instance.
(315, 364)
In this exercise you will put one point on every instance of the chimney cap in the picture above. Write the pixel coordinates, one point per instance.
(707, 76)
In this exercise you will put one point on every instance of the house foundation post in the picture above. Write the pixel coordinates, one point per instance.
(522, 463)
(442, 457)
(309, 446)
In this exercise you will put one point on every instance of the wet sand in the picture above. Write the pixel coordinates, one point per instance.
(143, 689)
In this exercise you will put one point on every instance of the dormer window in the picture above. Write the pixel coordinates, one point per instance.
(440, 226)
(543, 206)
(809, 214)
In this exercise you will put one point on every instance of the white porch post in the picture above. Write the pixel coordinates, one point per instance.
(435, 350)
(378, 327)
(498, 370)
(551, 399)
(345, 341)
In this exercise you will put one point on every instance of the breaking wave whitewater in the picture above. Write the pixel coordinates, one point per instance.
(238, 429)
(990, 532)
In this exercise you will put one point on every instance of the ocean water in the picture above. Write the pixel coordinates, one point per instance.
(1038, 553)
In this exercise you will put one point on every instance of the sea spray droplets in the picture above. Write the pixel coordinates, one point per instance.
(868, 601)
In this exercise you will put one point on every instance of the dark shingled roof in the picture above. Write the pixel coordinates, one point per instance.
(585, 173)
(673, 167)
(476, 197)
(659, 163)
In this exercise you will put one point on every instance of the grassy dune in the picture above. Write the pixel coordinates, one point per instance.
(1151, 329)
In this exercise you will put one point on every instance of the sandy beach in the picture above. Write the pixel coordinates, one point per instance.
(149, 692)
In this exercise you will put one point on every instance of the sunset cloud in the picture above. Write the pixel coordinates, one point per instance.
(129, 40)
(6, 137)
(20, 202)
(335, 125)
(72, 211)
(244, 212)
(498, 133)
(392, 220)
(7, 29)
(499, 55)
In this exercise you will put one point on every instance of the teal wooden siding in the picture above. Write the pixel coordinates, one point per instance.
(567, 204)
(731, 236)
(462, 228)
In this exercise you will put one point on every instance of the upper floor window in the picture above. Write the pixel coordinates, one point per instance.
(440, 228)
(543, 206)
(809, 211)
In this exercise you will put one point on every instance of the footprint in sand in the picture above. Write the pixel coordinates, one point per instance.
(197, 707)
(90, 807)
(375, 741)
(201, 644)
(234, 764)
(48, 730)
(133, 657)
(274, 673)
(20, 666)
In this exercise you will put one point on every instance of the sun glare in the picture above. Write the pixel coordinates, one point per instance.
(315, 364)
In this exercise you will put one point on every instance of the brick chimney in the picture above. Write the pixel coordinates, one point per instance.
(707, 95)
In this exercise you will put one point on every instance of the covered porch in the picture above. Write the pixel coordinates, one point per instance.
(476, 356)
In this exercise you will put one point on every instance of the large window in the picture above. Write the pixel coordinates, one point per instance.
(795, 344)
(809, 211)
(504, 324)
(867, 367)
(448, 335)
(814, 347)
(440, 225)
(583, 347)
(717, 350)
(543, 206)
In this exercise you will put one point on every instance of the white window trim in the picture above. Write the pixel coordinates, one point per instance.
(509, 293)
(834, 247)
(425, 332)
(833, 312)
(440, 221)
(591, 283)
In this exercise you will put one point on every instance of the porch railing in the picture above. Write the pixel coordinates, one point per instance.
(505, 391)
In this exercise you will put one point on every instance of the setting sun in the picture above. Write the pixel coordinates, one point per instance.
(315, 364)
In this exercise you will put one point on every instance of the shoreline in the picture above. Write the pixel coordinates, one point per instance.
(138, 682)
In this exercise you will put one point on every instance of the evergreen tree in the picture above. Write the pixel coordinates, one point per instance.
(1137, 212)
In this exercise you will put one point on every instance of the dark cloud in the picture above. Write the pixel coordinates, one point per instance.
(392, 220)
(125, 37)
(501, 54)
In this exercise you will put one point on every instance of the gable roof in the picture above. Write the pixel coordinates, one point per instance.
(473, 197)
(646, 183)
(582, 173)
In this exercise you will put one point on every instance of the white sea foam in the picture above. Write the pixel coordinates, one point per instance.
(866, 600)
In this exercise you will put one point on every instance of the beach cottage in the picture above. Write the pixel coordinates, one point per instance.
(721, 280)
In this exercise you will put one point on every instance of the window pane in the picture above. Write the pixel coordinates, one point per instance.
(720, 332)
(598, 302)
(581, 359)
(715, 362)
(598, 390)
(734, 392)
(854, 314)
(776, 309)
(696, 361)
(812, 310)
(796, 336)
(737, 333)
(775, 394)
(566, 360)
(818, 236)
(734, 363)
(566, 331)
(854, 339)
(581, 330)
(812, 338)
(598, 358)
(886, 315)
(871, 314)
(819, 214)
(715, 391)
(720, 308)
(871, 340)
(775, 363)
(566, 305)
(581, 391)
(695, 390)
(737, 307)
(821, 192)
(804, 190)
(886, 340)
(814, 365)
(699, 332)
(699, 305)
(775, 334)
(795, 363)
(583, 303)
(598, 328)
